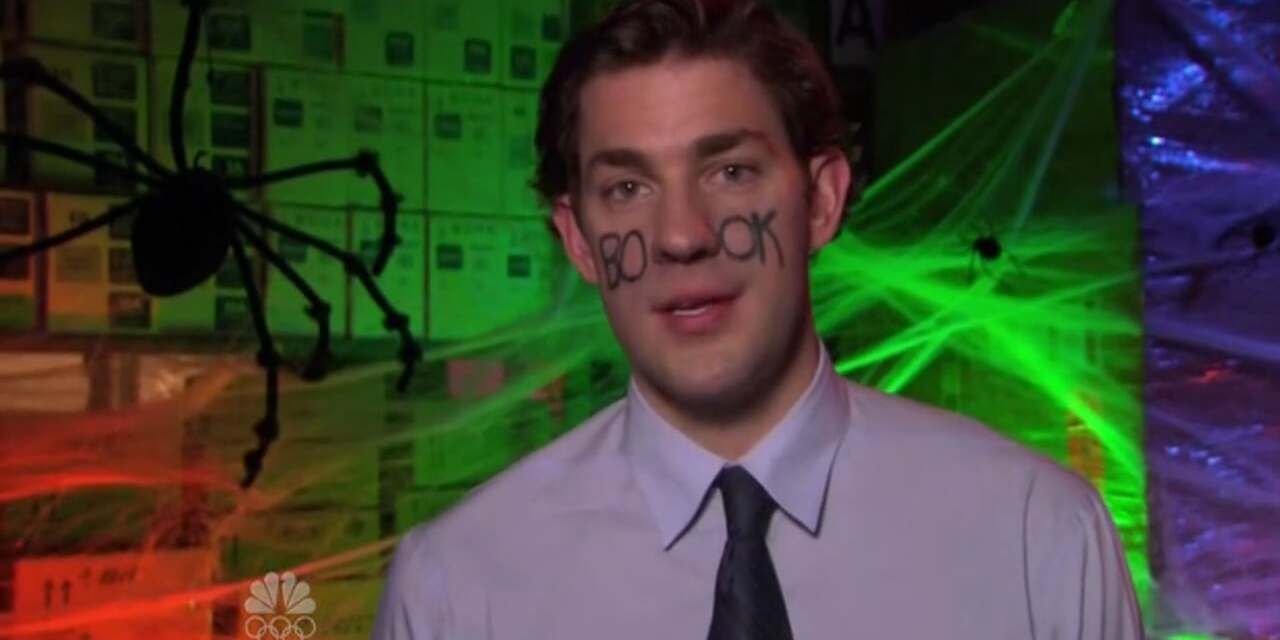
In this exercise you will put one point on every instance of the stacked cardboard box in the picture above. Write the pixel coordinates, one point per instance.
(305, 122)
(286, 306)
(42, 382)
(310, 32)
(92, 286)
(233, 30)
(296, 33)
(73, 584)
(532, 33)
(284, 539)
(220, 118)
(320, 457)
(114, 83)
(386, 37)
(93, 445)
(18, 277)
(384, 115)
(100, 24)
(462, 454)
(463, 40)
(519, 122)
(475, 262)
(403, 281)
(464, 149)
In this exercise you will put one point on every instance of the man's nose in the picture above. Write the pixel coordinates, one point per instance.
(685, 231)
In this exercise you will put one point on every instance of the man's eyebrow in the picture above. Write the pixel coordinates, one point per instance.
(717, 143)
(621, 158)
(707, 146)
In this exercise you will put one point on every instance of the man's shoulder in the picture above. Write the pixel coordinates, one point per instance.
(898, 420)
(524, 491)
(938, 443)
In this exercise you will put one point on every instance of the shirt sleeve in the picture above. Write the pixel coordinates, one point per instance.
(1078, 581)
(414, 599)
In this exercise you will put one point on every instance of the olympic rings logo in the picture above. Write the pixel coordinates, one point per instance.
(280, 627)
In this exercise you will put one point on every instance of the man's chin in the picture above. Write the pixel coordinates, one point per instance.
(709, 398)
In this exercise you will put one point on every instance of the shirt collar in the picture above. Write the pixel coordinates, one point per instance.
(792, 462)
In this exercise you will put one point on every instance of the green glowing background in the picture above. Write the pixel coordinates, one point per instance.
(998, 124)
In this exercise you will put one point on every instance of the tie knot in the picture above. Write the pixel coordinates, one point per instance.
(747, 506)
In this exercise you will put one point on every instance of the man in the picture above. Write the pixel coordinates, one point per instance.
(690, 151)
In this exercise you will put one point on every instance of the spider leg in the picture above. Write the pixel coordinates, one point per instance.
(98, 222)
(318, 364)
(29, 70)
(75, 155)
(410, 352)
(1017, 264)
(268, 428)
(363, 163)
(181, 81)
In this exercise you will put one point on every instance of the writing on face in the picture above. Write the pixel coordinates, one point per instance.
(725, 171)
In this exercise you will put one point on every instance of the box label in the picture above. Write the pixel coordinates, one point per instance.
(115, 81)
(125, 119)
(15, 217)
(14, 269)
(399, 49)
(448, 126)
(114, 21)
(368, 119)
(228, 32)
(231, 130)
(230, 313)
(319, 37)
(524, 63)
(128, 310)
(552, 28)
(477, 56)
(449, 257)
(120, 266)
(229, 88)
(287, 113)
(77, 264)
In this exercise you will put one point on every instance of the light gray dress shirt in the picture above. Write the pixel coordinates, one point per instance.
(896, 520)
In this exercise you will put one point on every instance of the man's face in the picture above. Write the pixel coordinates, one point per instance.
(694, 221)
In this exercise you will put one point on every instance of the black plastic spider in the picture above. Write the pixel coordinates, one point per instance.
(188, 221)
(1255, 234)
(985, 249)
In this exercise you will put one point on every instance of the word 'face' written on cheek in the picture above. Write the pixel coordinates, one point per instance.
(743, 238)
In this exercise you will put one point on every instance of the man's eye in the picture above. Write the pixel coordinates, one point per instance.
(623, 190)
(736, 173)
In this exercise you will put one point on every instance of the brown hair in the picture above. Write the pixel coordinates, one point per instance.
(640, 32)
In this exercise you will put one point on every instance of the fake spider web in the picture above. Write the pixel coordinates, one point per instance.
(1047, 353)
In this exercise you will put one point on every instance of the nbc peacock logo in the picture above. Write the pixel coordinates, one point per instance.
(280, 608)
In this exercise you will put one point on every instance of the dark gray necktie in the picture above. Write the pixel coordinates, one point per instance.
(748, 604)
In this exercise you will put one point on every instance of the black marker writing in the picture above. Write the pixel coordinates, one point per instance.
(625, 257)
(743, 238)
(614, 253)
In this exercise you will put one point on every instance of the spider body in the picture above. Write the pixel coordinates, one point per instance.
(985, 249)
(182, 232)
(988, 248)
(1263, 235)
(188, 220)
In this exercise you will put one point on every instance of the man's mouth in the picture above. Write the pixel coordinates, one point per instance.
(691, 311)
(693, 303)
(696, 312)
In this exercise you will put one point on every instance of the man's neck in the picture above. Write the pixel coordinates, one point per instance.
(732, 439)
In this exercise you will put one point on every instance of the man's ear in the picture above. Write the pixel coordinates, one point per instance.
(575, 242)
(829, 177)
